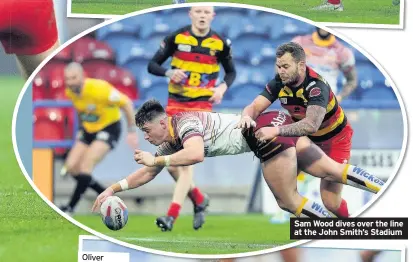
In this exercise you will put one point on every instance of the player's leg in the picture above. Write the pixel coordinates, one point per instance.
(32, 34)
(330, 5)
(337, 148)
(369, 255)
(331, 195)
(280, 173)
(315, 162)
(290, 255)
(93, 155)
(183, 178)
(72, 164)
(29, 63)
(184, 186)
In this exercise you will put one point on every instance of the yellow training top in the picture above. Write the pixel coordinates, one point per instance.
(98, 104)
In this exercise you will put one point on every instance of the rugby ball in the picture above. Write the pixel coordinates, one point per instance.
(114, 213)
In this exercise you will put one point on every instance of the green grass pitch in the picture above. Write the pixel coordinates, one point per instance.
(221, 234)
(355, 11)
(30, 230)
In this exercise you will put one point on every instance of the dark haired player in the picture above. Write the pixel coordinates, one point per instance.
(315, 111)
(187, 138)
(197, 52)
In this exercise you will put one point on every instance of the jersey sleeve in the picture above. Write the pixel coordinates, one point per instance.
(318, 94)
(346, 59)
(165, 149)
(167, 46)
(225, 58)
(226, 53)
(271, 91)
(112, 96)
(189, 126)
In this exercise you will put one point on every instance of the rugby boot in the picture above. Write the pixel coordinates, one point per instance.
(199, 213)
(165, 223)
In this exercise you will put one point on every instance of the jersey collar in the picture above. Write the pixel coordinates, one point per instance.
(323, 42)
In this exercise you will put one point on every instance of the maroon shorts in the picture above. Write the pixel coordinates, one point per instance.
(271, 148)
(27, 27)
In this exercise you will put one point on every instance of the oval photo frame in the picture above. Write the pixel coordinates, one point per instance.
(227, 5)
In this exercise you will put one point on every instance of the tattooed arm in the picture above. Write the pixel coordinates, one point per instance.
(307, 126)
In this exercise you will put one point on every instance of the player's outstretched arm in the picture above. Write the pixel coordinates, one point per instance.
(252, 111)
(191, 154)
(138, 178)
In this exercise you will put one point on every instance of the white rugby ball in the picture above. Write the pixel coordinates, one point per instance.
(114, 213)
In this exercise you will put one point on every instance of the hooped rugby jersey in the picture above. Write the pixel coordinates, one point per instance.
(313, 91)
(216, 129)
(98, 104)
(200, 58)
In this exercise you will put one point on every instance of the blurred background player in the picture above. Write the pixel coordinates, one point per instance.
(99, 108)
(328, 57)
(28, 30)
(330, 5)
(196, 52)
(315, 110)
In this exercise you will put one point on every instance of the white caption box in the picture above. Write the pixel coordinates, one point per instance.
(103, 257)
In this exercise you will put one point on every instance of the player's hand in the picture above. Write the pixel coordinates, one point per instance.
(144, 158)
(132, 140)
(245, 123)
(101, 198)
(176, 75)
(219, 92)
(266, 133)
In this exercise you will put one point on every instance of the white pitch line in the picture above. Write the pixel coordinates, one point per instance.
(194, 242)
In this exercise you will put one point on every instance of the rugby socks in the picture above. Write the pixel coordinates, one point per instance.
(173, 210)
(334, 2)
(360, 178)
(83, 181)
(95, 185)
(196, 196)
(342, 211)
(310, 208)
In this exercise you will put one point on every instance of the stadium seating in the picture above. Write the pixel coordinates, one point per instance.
(121, 52)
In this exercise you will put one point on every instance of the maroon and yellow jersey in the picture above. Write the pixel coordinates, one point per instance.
(313, 91)
(200, 58)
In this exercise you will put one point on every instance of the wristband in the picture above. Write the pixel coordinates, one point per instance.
(167, 160)
(131, 129)
(124, 184)
(161, 161)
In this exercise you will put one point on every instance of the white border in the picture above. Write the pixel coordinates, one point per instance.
(333, 24)
(91, 231)
(321, 244)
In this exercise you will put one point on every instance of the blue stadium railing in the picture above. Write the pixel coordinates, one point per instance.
(232, 105)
